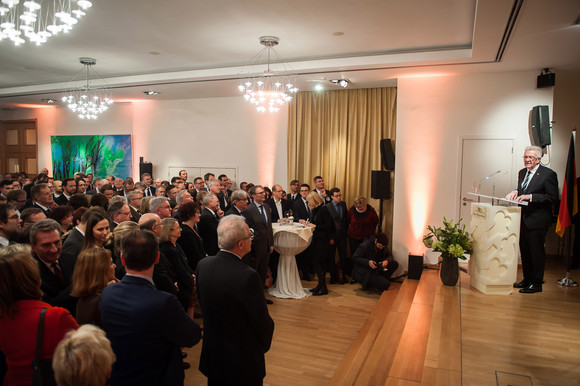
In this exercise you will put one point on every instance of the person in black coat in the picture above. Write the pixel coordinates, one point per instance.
(323, 230)
(373, 264)
(190, 241)
(237, 326)
(208, 223)
(179, 264)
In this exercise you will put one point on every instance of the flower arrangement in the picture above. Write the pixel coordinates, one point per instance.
(453, 241)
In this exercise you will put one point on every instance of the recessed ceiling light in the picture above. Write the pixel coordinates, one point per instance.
(318, 87)
(50, 101)
(150, 92)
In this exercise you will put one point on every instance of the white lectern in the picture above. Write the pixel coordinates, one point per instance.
(496, 233)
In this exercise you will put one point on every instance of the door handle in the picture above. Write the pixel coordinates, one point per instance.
(467, 199)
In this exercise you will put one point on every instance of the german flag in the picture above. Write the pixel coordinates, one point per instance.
(569, 201)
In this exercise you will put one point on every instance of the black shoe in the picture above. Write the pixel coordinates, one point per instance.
(522, 284)
(317, 288)
(183, 354)
(532, 288)
(186, 365)
(352, 281)
(320, 292)
(268, 301)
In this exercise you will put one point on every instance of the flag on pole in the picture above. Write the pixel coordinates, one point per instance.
(569, 201)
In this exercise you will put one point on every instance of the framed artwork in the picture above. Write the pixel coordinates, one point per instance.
(101, 155)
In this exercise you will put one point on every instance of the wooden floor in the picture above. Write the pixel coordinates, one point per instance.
(423, 333)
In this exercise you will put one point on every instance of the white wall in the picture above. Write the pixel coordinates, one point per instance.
(196, 132)
(433, 113)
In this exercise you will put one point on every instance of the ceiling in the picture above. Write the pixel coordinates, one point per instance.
(197, 49)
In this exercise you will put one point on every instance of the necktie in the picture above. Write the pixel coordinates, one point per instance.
(263, 213)
(58, 272)
(526, 181)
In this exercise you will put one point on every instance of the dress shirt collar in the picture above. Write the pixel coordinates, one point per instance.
(148, 278)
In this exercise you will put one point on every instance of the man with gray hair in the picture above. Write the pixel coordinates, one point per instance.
(239, 202)
(55, 273)
(182, 198)
(236, 319)
(160, 206)
(538, 186)
(118, 212)
(208, 223)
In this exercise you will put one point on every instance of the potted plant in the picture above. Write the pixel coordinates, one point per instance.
(454, 242)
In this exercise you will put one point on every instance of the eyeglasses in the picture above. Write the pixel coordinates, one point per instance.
(529, 157)
(251, 236)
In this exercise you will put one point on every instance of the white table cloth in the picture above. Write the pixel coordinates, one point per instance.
(289, 240)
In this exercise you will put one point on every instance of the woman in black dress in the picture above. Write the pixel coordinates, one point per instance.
(176, 258)
(323, 228)
(190, 241)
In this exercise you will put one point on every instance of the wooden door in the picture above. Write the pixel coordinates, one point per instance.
(19, 145)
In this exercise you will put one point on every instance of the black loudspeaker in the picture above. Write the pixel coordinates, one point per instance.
(380, 184)
(415, 267)
(145, 167)
(387, 154)
(541, 126)
(546, 80)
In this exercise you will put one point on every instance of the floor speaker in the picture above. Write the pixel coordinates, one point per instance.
(380, 184)
(415, 267)
(145, 167)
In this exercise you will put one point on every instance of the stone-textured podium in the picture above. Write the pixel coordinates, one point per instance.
(496, 233)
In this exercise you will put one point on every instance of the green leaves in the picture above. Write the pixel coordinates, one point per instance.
(452, 240)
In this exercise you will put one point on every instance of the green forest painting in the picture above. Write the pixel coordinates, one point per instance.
(102, 155)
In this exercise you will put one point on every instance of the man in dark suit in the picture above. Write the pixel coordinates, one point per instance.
(259, 218)
(42, 198)
(338, 213)
(300, 206)
(294, 192)
(208, 223)
(277, 204)
(237, 327)
(10, 223)
(239, 202)
(537, 185)
(55, 273)
(69, 187)
(319, 188)
(146, 326)
(134, 200)
(374, 265)
(147, 180)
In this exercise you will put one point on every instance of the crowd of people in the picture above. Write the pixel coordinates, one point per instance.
(142, 260)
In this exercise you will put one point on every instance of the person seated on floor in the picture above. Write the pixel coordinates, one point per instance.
(373, 263)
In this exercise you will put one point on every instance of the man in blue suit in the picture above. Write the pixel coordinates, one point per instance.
(146, 327)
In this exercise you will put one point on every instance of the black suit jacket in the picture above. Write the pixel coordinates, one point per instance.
(61, 200)
(223, 202)
(237, 327)
(233, 210)
(53, 291)
(340, 221)
(192, 246)
(146, 328)
(272, 204)
(543, 187)
(299, 210)
(46, 212)
(135, 216)
(73, 243)
(207, 228)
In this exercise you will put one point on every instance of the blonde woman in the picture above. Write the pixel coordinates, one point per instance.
(94, 271)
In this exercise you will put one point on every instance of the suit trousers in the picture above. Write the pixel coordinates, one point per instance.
(340, 246)
(380, 280)
(533, 254)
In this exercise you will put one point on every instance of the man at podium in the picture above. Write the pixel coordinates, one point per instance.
(538, 185)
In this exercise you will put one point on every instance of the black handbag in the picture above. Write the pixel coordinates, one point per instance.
(43, 374)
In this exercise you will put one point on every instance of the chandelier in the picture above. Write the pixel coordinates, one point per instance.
(88, 102)
(38, 20)
(267, 89)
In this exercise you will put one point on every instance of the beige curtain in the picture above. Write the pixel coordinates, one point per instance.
(336, 134)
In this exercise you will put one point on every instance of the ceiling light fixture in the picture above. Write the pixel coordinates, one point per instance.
(341, 82)
(151, 92)
(268, 89)
(88, 101)
(318, 87)
(38, 20)
(50, 101)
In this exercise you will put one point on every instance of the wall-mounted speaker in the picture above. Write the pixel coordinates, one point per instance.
(387, 154)
(541, 126)
(380, 184)
(546, 80)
